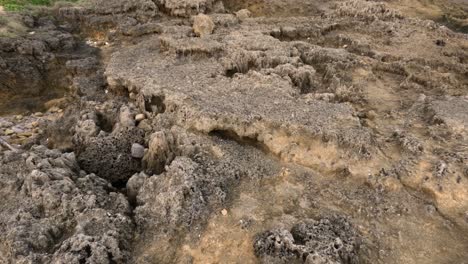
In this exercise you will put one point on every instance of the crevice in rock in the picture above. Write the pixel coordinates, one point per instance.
(155, 104)
(244, 141)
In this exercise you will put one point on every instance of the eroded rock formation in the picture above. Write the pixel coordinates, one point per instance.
(235, 132)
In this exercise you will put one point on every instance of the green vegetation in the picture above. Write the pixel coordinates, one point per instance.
(17, 5)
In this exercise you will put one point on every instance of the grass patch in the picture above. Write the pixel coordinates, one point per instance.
(18, 5)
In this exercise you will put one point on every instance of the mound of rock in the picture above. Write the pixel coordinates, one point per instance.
(329, 240)
(60, 213)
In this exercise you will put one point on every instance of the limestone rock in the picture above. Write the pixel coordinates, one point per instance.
(203, 25)
(243, 14)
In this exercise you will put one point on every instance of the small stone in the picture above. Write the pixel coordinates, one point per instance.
(422, 98)
(243, 14)
(18, 117)
(140, 117)
(53, 109)
(138, 151)
(371, 114)
(9, 132)
(203, 25)
(38, 114)
(35, 124)
(224, 212)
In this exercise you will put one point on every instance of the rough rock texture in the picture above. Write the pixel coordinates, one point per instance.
(282, 112)
(31, 63)
(53, 212)
(110, 156)
(329, 240)
(203, 25)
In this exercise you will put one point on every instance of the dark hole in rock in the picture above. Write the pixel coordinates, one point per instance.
(120, 184)
(230, 73)
(104, 122)
(155, 104)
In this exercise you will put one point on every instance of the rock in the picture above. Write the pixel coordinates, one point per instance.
(140, 30)
(243, 14)
(109, 156)
(138, 151)
(9, 132)
(134, 184)
(140, 117)
(34, 124)
(87, 217)
(160, 151)
(203, 25)
(224, 212)
(329, 240)
(19, 117)
(53, 109)
(452, 111)
(289, 32)
(145, 125)
(126, 117)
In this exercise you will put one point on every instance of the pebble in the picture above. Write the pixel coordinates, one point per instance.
(54, 109)
(38, 114)
(371, 114)
(224, 212)
(9, 132)
(138, 151)
(18, 117)
(140, 117)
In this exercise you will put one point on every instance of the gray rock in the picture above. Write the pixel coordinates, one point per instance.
(138, 151)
